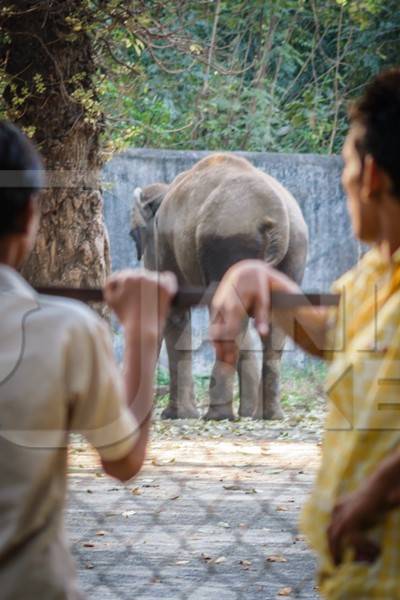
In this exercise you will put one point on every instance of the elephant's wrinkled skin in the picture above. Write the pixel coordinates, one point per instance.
(219, 212)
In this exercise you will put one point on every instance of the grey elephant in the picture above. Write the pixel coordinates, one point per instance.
(220, 211)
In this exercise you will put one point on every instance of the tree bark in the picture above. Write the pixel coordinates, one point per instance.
(51, 94)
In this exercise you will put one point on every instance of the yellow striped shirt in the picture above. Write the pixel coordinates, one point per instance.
(363, 423)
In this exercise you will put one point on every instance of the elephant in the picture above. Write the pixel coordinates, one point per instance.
(217, 213)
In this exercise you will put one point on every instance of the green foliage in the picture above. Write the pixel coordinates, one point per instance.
(162, 376)
(222, 74)
(280, 78)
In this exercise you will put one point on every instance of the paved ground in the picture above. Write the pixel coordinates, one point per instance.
(206, 519)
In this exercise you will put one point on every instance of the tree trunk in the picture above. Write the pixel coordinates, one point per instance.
(51, 94)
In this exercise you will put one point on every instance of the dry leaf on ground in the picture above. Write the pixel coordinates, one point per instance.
(286, 591)
(276, 558)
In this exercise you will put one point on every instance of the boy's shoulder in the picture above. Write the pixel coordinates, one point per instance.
(363, 268)
(67, 313)
(67, 307)
(14, 286)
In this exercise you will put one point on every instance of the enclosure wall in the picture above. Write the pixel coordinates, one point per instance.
(313, 180)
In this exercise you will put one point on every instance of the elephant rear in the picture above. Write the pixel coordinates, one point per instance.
(221, 211)
(217, 213)
(242, 218)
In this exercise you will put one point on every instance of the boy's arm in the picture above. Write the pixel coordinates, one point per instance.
(138, 379)
(113, 413)
(141, 302)
(245, 289)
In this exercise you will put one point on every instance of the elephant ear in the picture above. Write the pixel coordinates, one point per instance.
(138, 223)
(149, 199)
(146, 203)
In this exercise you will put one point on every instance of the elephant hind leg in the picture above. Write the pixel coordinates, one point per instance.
(249, 375)
(216, 254)
(269, 405)
(178, 339)
(222, 381)
(221, 392)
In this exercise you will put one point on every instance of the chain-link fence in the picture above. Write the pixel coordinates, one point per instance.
(206, 518)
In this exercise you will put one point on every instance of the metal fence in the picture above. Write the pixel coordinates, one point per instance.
(212, 519)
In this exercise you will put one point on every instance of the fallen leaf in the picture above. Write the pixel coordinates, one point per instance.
(88, 545)
(89, 565)
(246, 564)
(205, 557)
(286, 591)
(175, 497)
(129, 513)
(162, 463)
(182, 562)
(240, 488)
(101, 533)
(219, 560)
(136, 491)
(224, 525)
(276, 558)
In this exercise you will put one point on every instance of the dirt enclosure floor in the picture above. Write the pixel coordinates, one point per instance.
(208, 518)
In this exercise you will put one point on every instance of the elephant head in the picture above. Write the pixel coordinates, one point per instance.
(146, 203)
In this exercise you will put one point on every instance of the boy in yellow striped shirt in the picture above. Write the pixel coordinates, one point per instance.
(353, 517)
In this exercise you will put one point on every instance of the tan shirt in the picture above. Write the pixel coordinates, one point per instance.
(57, 374)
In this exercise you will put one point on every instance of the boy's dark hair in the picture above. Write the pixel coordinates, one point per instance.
(21, 175)
(378, 111)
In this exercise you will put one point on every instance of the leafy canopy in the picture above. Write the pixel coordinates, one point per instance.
(226, 74)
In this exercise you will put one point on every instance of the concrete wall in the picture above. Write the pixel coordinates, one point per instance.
(312, 179)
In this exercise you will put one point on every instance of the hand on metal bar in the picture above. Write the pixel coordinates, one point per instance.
(188, 297)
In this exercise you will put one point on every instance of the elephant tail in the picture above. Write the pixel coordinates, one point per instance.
(217, 252)
(274, 240)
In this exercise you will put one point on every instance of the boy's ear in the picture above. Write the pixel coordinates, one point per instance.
(375, 181)
(27, 216)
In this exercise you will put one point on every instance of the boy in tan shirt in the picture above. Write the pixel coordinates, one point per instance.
(58, 374)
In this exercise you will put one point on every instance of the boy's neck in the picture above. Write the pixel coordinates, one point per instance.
(390, 243)
(387, 249)
(10, 253)
(390, 227)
